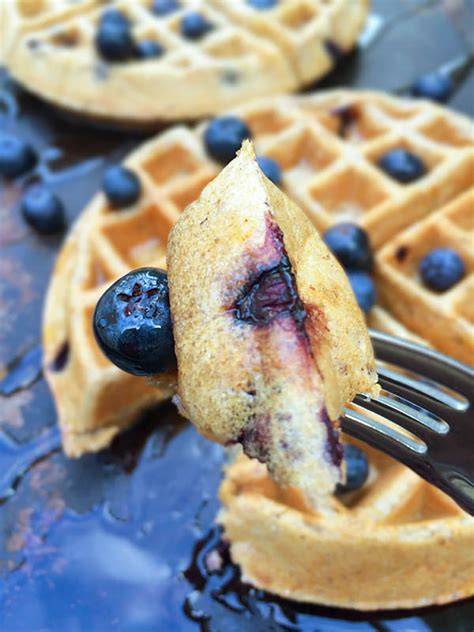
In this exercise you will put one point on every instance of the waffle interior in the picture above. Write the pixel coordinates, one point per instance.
(247, 53)
(397, 542)
(323, 152)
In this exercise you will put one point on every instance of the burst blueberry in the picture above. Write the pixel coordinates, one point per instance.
(270, 168)
(149, 49)
(441, 269)
(16, 156)
(164, 7)
(121, 186)
(402, 165)
(43, 210)
(357, 469)
(364, 290)
(262, 4)
(224, 136)
(351, 245)
(194, 26)
(132, 323)
(114, 40)
(436, 86)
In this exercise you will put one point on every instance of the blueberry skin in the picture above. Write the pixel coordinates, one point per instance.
(262, 4)
(364, 290)
(194, 26)
(224, 136)
(357, 469)
(402, 165)
(149, 49)
(16, 156)
(113, 40)
(115, 16)
(270, 168)
(351, 246)
(121, 186)
(164, 7)
(436, 86)
(43, 210)
(132, 323)
(441, 269)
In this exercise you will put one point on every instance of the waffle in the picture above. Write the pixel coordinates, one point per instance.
(397, 542)
(443, 318)
(326, 145)
(269, 340)
(48, 46)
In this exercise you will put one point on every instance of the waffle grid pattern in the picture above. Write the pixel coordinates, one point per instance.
(304, 135)
(392, 526)
(246, 53)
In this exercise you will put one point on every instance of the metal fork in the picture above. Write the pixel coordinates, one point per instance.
(431, 396)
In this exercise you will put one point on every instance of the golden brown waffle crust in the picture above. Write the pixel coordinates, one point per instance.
(318, 167)
(249, 54)
(384, 552)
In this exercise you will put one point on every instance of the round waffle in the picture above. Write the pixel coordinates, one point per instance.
(48, 46)
(398, 542)
(327, 146)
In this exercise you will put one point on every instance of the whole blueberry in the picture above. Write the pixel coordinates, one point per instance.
(262, 4)
(441, 268)
(270, 168)
(43, 210)
(16, 156)
(364, 290)
(351, 245)
(148, 49)
(436, 86)
(402, 165)
(121, 186)
(357, 469)
(224, 136)
(194, 26)
(113, 40)
(132, 323)
(164, 7)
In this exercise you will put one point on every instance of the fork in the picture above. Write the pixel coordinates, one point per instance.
(424, 416)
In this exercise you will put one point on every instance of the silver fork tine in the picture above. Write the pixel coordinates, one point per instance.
(380, 436)
(421, 392)
(402, 412)
(427, 362)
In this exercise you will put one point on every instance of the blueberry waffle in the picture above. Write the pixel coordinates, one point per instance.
(325, 152)
(147, 61)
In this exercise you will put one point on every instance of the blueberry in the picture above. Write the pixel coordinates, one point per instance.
(351, 245)
(364, 290)
(441, 269)
(148, 49)
(194, 26)
(164, 7)
(121, 186)
(357, 469)
(132, 323)
(224, 136)
(16, 156)
(402, 165)
(436, 86)
(115, 16)
(43, 210)
(114, 40)
(262, 4)
(270, 168)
